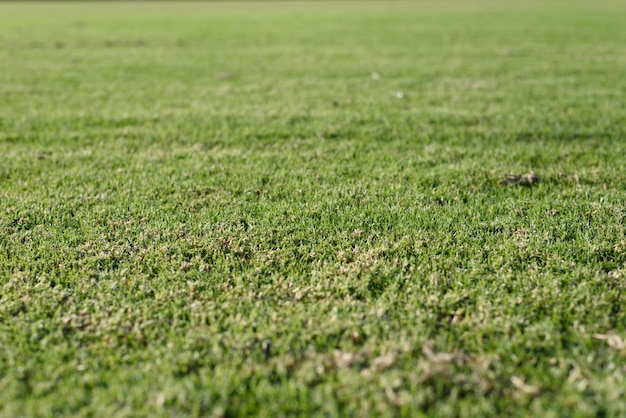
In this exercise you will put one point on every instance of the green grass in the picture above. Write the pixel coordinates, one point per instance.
(216, 209)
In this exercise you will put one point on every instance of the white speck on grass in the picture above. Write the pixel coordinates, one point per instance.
(399, 95)
(375, 76)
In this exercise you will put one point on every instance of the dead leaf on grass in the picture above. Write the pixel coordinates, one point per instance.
(343, 359)
(614, 341)
(522, 386)
(439, 358)
(384, 362)
(527, 180)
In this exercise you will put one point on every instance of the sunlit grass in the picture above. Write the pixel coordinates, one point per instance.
(312, 208)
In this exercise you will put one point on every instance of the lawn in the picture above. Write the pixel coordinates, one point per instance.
(278, 209)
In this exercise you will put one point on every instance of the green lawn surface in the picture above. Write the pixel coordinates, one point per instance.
(282, 209)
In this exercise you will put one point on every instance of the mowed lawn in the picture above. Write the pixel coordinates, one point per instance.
(277, 209)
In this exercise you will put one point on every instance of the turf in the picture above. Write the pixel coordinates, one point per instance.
(226, 209)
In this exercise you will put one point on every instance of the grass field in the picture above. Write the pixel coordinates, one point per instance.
(226, 209)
